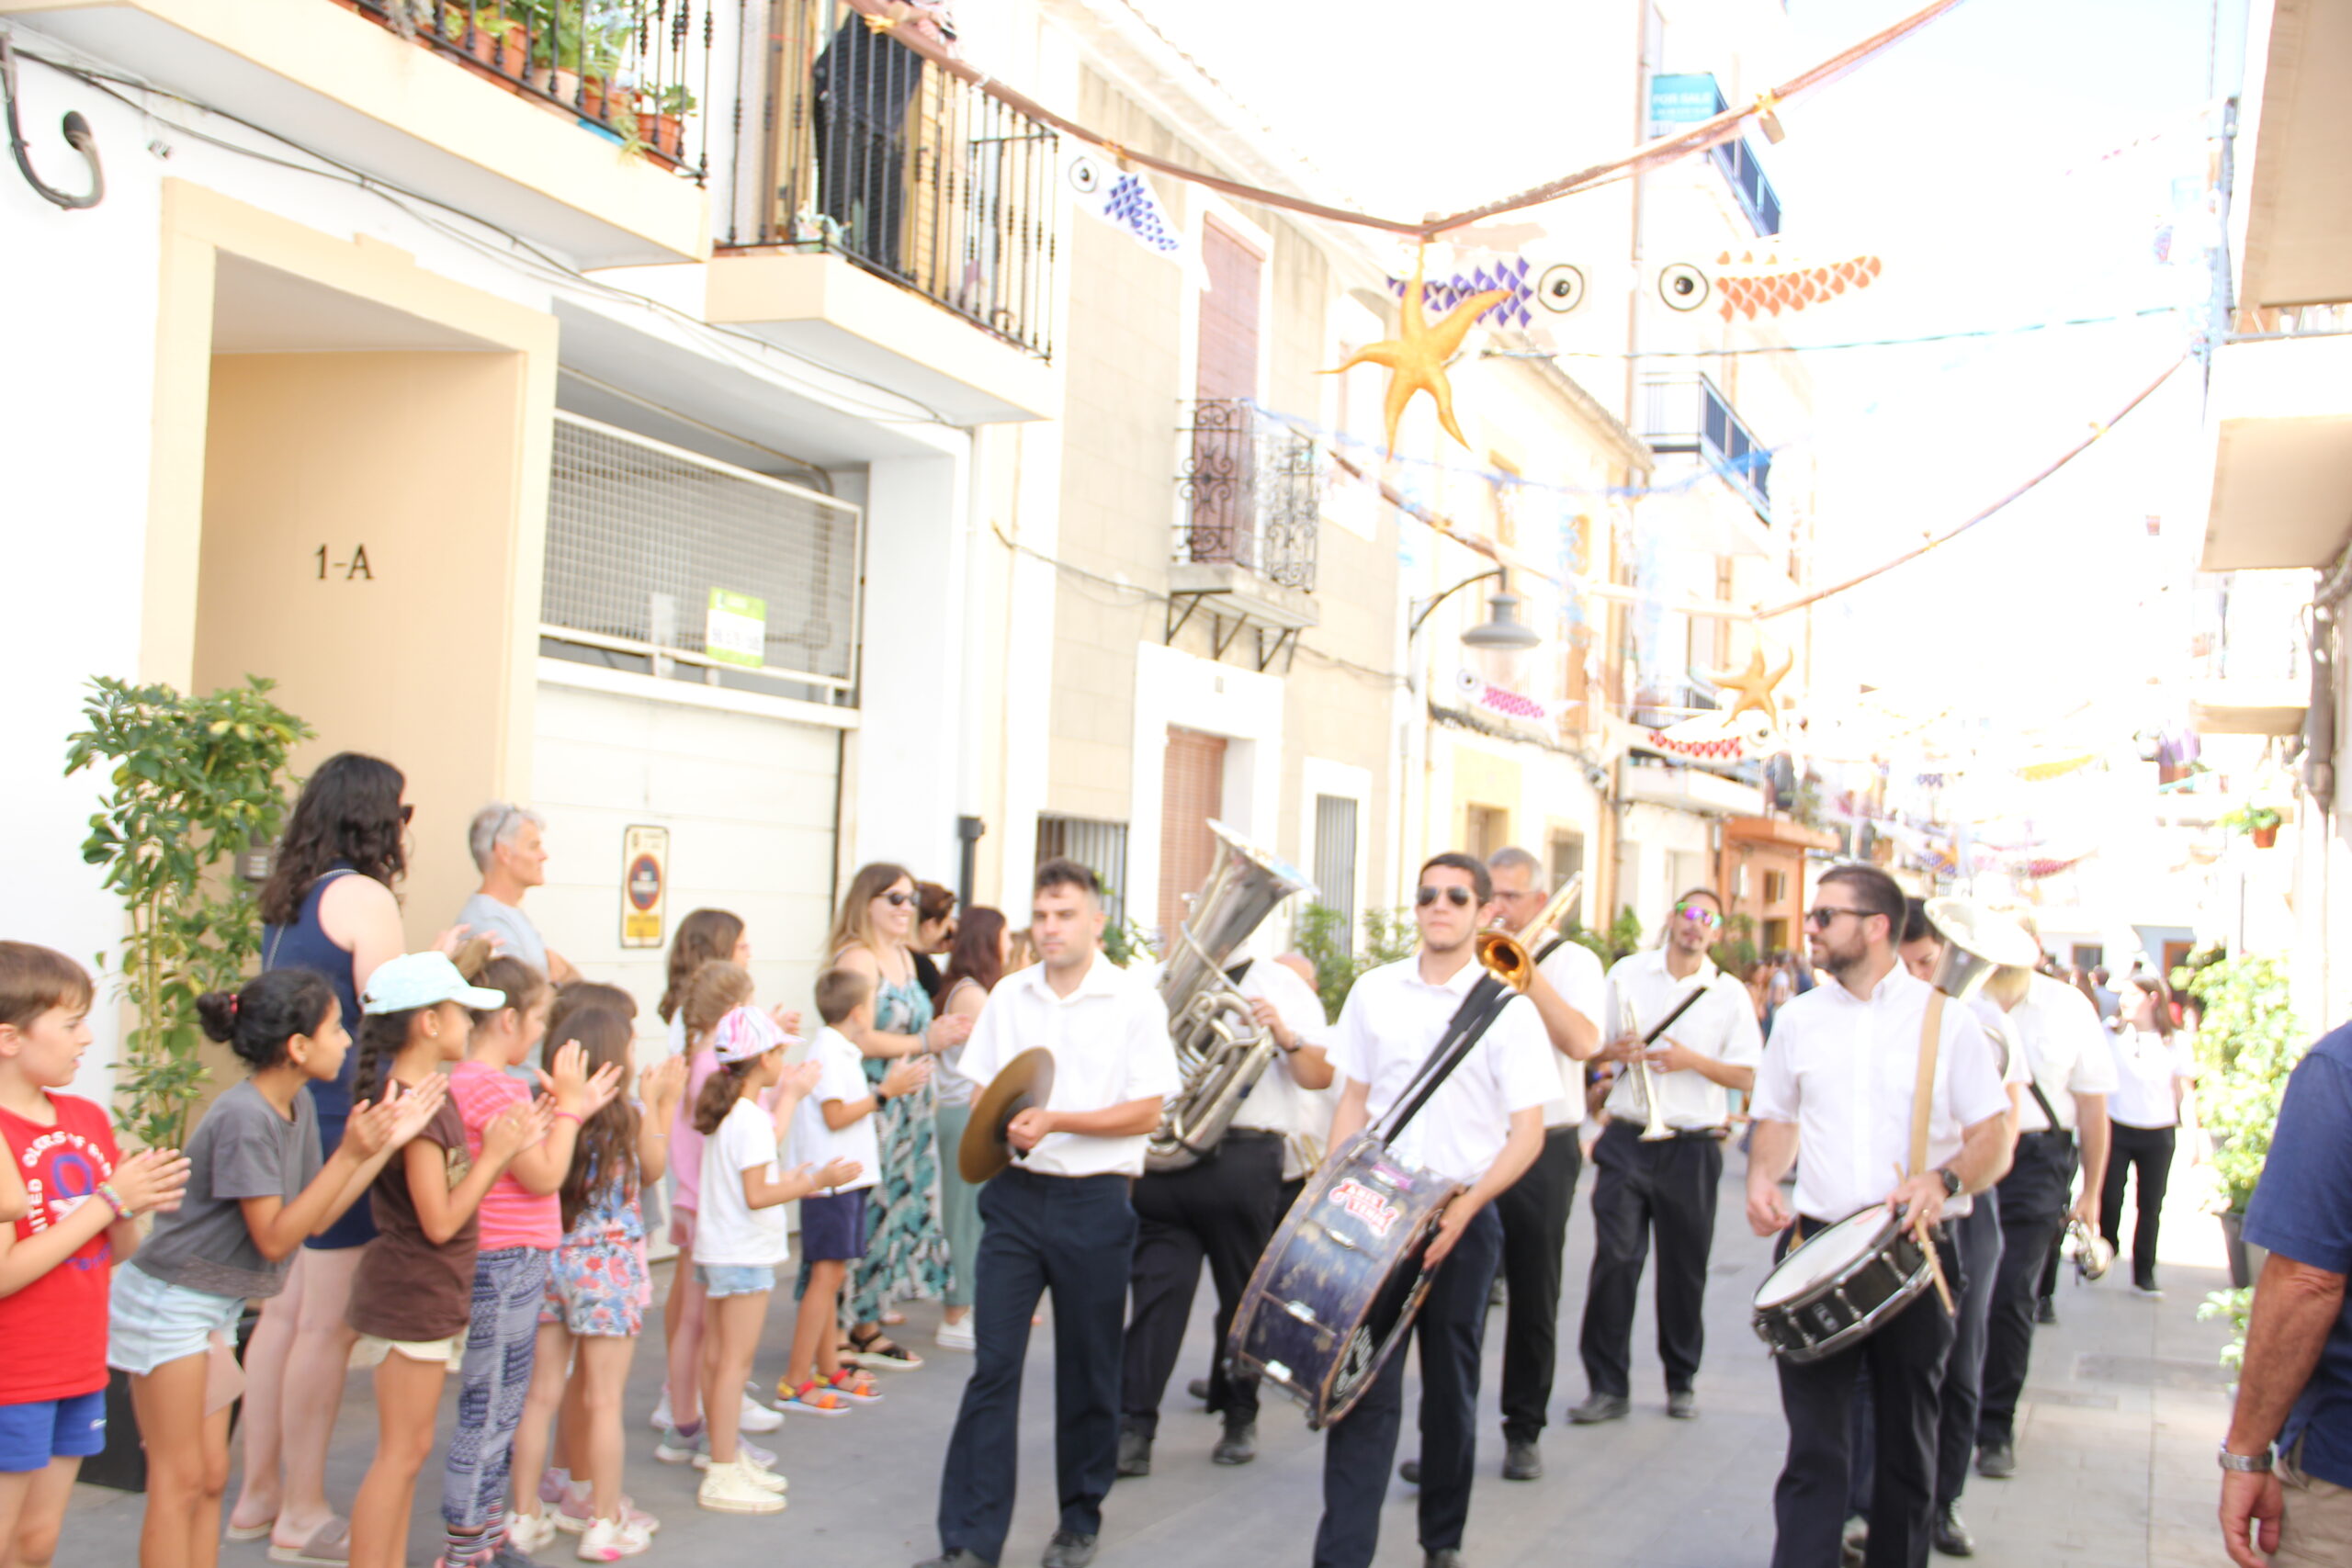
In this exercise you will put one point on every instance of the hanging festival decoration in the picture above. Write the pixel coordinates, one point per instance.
(1756, 687)
(1123, 199)
(1715, 737)
(1482, 692)
(1415, 358)
(1772, 285)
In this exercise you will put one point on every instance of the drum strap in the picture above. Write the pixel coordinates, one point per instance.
(1923, 1095)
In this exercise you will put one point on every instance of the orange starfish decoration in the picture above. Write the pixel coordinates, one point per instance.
(1416, 359)
(1755, 686)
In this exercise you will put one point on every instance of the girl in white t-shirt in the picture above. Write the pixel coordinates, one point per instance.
(739, 1234)
(836, 1125)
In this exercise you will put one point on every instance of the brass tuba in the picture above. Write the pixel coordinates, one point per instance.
(1219, 1047)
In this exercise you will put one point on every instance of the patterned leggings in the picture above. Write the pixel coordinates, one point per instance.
(508, 1285)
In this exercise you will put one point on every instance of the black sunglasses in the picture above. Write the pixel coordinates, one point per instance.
(901, 899)
(1820, 920)
(1457, 896)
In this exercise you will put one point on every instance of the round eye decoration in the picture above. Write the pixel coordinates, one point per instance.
(1085, 176)
(1467, 683)
(1560, 289)
(1683, 286)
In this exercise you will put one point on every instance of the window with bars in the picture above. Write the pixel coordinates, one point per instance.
(665, 562)
(1100, 847)
(1335, 855)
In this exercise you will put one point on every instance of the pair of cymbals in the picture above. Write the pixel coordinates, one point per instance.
(1026, 1082)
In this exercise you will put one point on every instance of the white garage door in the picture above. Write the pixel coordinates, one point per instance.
(749, 801)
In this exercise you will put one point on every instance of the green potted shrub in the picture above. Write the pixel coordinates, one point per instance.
(1325, 941)
(191, 784)
(670, 107)
(2247, 1043)
(2257, 821)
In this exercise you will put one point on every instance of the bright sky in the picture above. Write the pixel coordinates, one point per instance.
(1948, 155)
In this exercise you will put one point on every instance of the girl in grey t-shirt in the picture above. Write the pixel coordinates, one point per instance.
(256, 1188)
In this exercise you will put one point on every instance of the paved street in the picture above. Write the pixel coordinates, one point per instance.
(2115, 1448)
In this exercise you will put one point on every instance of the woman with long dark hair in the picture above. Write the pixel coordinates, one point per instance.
(328, 907)
(906, 1253)
(2153, 1069)
(976, 962)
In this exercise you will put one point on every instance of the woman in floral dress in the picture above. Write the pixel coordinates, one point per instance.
(906, 1250)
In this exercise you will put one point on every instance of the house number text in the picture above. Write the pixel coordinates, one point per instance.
(354, 569)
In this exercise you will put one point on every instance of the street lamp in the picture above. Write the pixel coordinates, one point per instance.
(1501, 632)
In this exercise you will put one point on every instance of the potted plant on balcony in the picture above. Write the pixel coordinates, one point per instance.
(2248, 1041)
(668, 130)
(2257, 821)
(497, 41)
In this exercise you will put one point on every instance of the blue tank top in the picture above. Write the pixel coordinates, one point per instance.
(306, 945)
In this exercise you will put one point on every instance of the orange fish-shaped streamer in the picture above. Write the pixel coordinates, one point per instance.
(1416, 358)
(1768, 285)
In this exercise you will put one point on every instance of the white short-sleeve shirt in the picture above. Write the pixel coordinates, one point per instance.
(1276, 1103)
(1575, 972)
(2145, 1066)
(2066, 1050)
(729, 1231)
(842, 1065)
(1109, 1039)
(1844, 1068)
(1394, 1018)
(1721, 1024)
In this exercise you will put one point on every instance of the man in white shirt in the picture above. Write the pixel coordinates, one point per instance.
(1482, 1128)
(2065, 1111)
(1222, 1209)
(1666, 1186)
(1058, 1220)
(1841, 1077)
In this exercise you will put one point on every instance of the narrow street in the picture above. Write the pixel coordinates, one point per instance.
(2114, 1447)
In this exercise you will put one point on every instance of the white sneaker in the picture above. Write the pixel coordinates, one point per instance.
(609, 1540)
(956, 1335)
(766, 1478)
(730, 1489)
(664, 1416)
(529, 1531)
(757, 1417)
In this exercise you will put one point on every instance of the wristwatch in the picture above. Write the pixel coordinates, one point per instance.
(2257, 1463)
(1952, 1183)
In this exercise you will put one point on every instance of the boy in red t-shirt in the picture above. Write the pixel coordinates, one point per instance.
(57, 1261)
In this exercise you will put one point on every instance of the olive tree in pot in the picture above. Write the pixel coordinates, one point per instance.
(191, 783)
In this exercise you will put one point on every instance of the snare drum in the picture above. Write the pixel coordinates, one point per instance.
(1841, 1286)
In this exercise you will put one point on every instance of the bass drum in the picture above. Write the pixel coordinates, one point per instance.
(1841, 1286)
(1338, 1287)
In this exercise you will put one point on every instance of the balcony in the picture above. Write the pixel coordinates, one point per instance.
(857, 149)
(510, 110)
(1689, 97)
(2282, 415)
(1689, 417)
(1250, 489)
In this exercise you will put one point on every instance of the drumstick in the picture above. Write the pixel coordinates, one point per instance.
(1926, 1245)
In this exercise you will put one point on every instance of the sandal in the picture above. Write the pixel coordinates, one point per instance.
(329, 1546)
(856, 1386)
(813, 1399)
(881, 1353)
(251, 1532)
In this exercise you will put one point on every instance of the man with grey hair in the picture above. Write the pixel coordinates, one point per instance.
(507, 845)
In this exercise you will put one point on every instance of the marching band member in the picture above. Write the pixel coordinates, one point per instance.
(1223, 1208)
(1058, 1219)
(1665, 1186)
(1483, 1127)
(2073, 1072)
(1534, 1211)
(1842, 1078)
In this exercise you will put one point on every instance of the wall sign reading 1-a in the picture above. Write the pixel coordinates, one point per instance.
(355, 570)
(644, 885)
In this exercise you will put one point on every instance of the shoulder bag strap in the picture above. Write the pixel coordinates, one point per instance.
(1923, 1095)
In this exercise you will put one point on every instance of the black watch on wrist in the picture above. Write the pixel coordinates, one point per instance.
(1952, 1183)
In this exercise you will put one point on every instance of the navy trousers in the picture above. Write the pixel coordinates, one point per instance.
(1075, 1236)
(1360, 1449)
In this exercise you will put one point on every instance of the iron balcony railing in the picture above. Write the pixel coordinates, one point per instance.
(1250, 487)
(1686, 97)
(853, 145)
(1690, 414)
(635, 72)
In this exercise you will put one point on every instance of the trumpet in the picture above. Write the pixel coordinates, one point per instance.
(1655, 1130)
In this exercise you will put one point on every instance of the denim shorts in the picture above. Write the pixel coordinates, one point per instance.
(151, 1324)
(31, 1435)
(735, 1278)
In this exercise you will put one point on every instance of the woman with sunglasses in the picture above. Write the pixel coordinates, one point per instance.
(328, 907)
(906, 1250)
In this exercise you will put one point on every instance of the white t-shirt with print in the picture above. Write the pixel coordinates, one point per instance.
(841, 1066)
